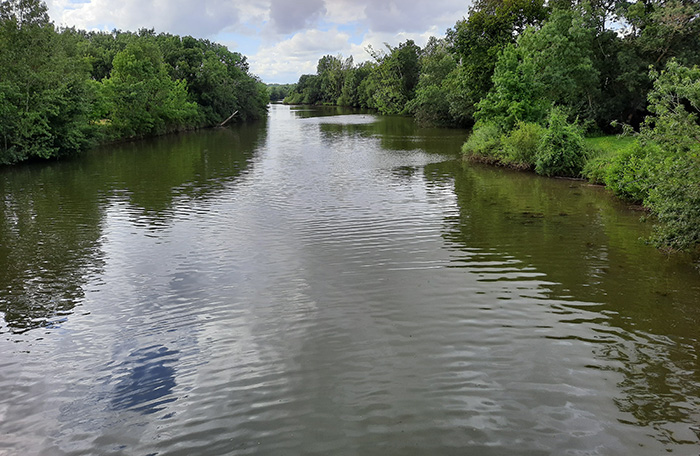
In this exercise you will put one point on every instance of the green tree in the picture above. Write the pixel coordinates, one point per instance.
(332, 72)
(430, 105)
(397, 75)
(44, 97)
(307, 90)
(476, 43)
(657, 31)
(217, 79)
(674, 125)
(549, 66)
(143, 99)
(517, 94)
(279, 91)
(25, 13)
(352, 95)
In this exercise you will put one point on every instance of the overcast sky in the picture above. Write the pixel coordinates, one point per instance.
(281, 38)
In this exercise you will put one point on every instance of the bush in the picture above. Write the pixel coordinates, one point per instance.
(562, 151)
(674, 194)
(602, 150)
(596, 168)
(630, 172)
(520, 145)
(484, 143)
(675, 200)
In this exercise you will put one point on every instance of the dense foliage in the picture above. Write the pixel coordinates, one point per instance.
(662, 167)
(62, 90)
(514, 59)
(533, 78)
(279, 92)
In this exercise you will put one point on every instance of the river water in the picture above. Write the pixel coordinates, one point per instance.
(327, 283)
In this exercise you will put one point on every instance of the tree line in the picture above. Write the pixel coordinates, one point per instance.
(511, 59)
(63, 90)
(533, 78)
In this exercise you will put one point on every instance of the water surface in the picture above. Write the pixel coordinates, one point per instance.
(329, 282)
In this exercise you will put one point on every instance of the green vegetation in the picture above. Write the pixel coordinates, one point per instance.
(64, 90)
(279, 92)
(609, 144)
(534, 78)
(561, 150)
(660, 166)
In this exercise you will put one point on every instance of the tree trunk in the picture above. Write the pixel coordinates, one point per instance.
(228, 119)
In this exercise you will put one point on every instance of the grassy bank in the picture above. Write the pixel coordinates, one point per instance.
(635, 169)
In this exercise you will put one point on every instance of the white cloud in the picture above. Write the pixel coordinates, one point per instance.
(417, 16)
(286, 60)
(397, 16)
(203, 18)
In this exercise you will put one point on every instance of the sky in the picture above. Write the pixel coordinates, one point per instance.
(282, 39)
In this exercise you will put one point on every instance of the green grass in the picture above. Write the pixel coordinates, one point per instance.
(602, 153)
(604, 145)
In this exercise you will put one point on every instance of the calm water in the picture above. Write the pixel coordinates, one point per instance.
(340, 284)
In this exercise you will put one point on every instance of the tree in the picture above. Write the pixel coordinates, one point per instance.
(657, 31)
(44, 98)
(307, 90)
(25, 13)
(353, 93)
(476, 43)
(548, 66)
(397, 75)
(332, 71)
(143, 99)
(516, 96)
(430, 106)
(674, 125)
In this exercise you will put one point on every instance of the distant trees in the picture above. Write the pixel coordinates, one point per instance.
(279, 92)
(62, 90)
(387, 84)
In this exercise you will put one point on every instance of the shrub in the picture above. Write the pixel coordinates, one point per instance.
(675, 200)
(631, 170)
(561, 151)
(520, 145)
(484, 143)
(602, 150)
(674, 196)
(596, 168)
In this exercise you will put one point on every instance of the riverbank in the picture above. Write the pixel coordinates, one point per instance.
(634, 169)
(66, 90)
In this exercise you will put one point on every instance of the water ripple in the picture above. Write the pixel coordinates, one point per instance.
(340, 295)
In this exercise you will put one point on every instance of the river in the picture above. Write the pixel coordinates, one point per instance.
(330, 283)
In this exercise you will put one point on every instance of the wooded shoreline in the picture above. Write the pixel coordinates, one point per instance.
(532, 79)
(65, 90)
